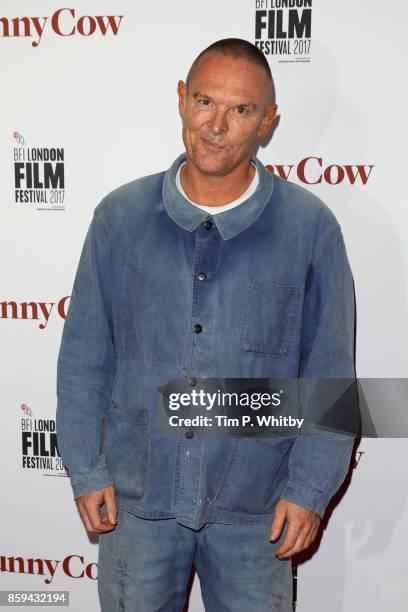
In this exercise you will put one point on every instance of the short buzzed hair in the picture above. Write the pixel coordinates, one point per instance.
(237, 48)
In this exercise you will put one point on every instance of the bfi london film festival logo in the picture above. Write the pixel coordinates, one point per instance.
(283, 29)
(39, 447)
(64, 23)
(39, 175)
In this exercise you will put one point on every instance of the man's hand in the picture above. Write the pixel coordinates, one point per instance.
(303, 525)
(89, 504)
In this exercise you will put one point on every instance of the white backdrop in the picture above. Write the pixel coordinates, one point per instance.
(109, 103)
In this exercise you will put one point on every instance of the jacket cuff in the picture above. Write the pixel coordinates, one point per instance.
(90, 481)
(305, 496)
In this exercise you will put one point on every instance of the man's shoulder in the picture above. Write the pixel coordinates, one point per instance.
(301, 204)
(130, 198)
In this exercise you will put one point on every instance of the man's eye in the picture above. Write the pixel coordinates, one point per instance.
(204, 102)
(241, 110)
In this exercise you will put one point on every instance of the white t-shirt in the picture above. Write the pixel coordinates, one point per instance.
(218, 209)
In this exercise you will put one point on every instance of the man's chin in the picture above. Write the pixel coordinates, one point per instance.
(211, 166)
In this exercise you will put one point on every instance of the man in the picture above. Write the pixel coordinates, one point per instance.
(215, 268)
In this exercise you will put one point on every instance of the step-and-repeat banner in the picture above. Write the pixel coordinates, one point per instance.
(88, 103)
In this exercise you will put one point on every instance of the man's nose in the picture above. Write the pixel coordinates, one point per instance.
(218, 122)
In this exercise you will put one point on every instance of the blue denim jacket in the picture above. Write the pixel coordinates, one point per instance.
(277, 301)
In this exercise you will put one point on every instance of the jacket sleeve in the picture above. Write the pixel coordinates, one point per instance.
(319, 462)
(86, 366)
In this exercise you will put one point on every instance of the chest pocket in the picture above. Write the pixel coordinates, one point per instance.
(270, 318)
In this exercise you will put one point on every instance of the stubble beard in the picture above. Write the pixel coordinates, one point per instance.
(217, 168)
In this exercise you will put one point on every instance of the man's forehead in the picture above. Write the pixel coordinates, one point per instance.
(221, 75)
(216, 65)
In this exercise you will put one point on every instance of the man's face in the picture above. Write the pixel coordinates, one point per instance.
(225, 112)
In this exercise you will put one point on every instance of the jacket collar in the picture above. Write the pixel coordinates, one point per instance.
(230, 222)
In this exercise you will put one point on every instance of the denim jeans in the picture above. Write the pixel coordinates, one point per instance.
(144, 566)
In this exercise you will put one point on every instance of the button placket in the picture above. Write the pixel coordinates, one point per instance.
(203, 297)
(192, 443)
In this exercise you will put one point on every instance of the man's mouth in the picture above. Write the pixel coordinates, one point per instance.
(211, 145)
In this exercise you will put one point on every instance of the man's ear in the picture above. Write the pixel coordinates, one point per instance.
(268, 118)
(182, 95)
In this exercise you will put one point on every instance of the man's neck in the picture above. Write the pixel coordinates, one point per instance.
(215, 190)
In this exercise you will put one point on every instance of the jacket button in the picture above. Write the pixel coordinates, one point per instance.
(192, 381)
(189, 434)
(208, 224)
(198, 328)
(202, 276)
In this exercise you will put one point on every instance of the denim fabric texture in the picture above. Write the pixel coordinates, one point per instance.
(277, 301)
(144, 566)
